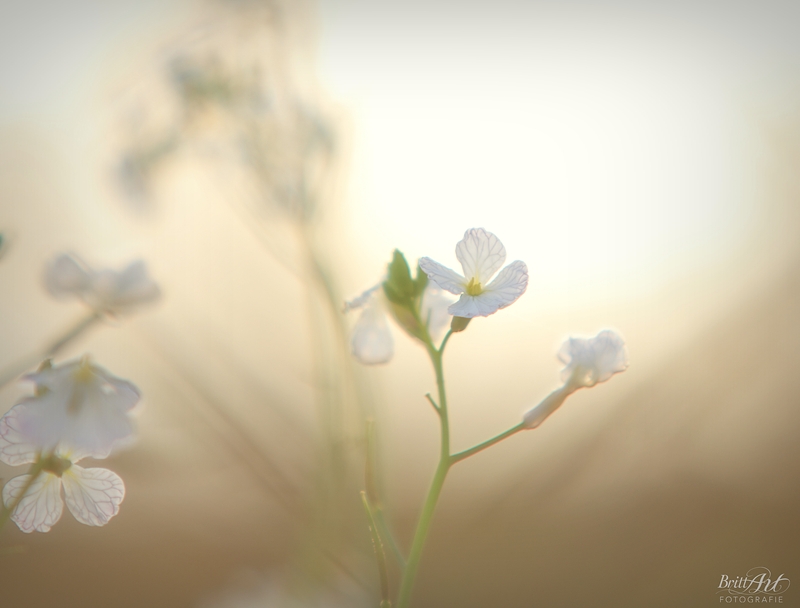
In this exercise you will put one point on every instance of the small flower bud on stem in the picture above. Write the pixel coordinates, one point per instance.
(535, 416)
(459, 324)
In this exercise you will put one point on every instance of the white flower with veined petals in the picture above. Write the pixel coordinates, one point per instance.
(78, 404)
(105, 291)
(371, 341)
(592, 360)
(92, 495)
(481, 255)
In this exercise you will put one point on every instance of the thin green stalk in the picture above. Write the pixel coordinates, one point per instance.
(380, 555)
(385, 531)
(374, 494)
(458, 457)
(446, 461)
(34, 472)
(428, 508)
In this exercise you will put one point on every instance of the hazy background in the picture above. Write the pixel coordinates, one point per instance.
(641, 158)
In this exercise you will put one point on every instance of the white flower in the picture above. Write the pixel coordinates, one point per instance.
(588, 361)
(78, 404)
(371, 341)
(92, 495)
(592, 360)
(481, 255)
(105, 291)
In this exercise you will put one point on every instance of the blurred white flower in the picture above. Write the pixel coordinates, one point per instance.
(592, 360)
(92, 495)
(105, 291)
(481, 255)
(251, 589)
(77, 404)
(371, 341)
(588, 361)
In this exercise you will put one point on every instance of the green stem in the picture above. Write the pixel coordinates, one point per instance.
(446, 460)
(458, 457)
(428, 508)
(380, 555)
(386, 533)
(374, 494)
(34, 472)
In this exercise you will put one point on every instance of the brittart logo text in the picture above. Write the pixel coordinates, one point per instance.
(757, 586)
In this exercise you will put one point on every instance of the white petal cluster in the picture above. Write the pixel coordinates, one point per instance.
(81, 405)
(105, 291)
(92, 495)
(481, 255)
(371, 341)
(592, 360)
(79, 410)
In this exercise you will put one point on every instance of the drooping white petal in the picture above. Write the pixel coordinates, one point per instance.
(361, 301)
(447, 279)
(592, 360)
(67, 276)
(433, 310)
(41, 506)
(15, 448)
(93, 496)
(372, 341)
(481, 254)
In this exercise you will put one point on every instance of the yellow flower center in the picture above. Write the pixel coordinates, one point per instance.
(84, 376)
(84, 373)
(474, 288)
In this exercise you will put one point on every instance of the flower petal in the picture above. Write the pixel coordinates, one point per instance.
(117, 393)
(41, 507)
(433, 310)
(15, 448)
(66, 276)
(372, 341)
(473, 306)
(85, 409)
(93, 496)
(361, 301)
(509, 285)
(592, 360)
(481, 254)
(122, 291)
(447, 279)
